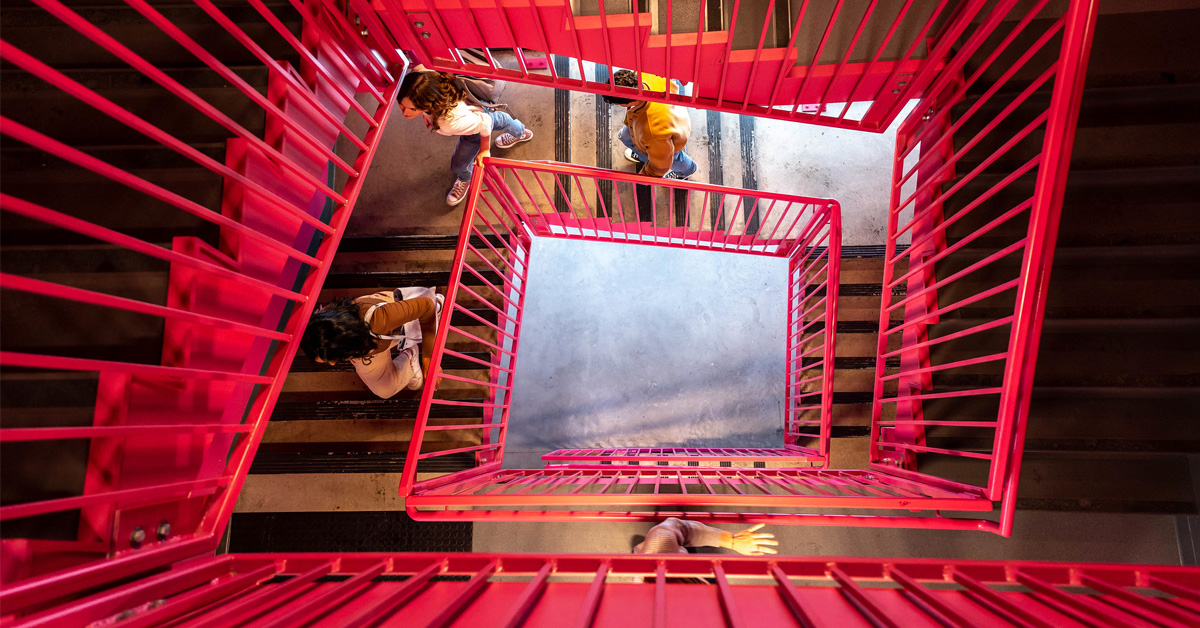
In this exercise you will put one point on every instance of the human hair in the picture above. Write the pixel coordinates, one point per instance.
(406, 86)
(337, 332)
(623, 78)
(626, 78)
(436, 93)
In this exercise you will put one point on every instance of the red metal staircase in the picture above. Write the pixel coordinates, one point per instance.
(165, 446)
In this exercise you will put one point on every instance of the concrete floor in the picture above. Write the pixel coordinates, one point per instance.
(404, 195)
(636, 345)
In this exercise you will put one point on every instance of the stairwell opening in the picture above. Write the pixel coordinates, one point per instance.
(645, 346)
(510, 204)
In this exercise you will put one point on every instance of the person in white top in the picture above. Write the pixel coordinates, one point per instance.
(447, 109)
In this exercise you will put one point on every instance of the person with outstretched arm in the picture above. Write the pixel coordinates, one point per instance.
(448, 108)
(674, 536)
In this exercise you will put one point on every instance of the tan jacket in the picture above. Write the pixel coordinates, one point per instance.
(393, 314)
(658, 131)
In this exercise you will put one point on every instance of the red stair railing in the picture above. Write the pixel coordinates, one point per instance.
(981, 209)
(171, 442)
(697, 456)
(612, 591)
(896, 51)
(510, 203)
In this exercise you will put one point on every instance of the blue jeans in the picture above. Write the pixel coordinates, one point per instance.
(681, 165)
(462, 162)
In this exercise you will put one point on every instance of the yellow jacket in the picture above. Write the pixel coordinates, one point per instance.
(658, 131)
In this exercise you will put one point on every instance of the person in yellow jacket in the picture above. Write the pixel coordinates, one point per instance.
(654, 134)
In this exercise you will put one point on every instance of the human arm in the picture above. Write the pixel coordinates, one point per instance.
(381, 374)
(428, 331)
(660, 154)
(389, 316)
(673, 535)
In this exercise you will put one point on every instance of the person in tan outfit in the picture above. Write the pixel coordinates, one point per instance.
(364, 331)
(654, 134)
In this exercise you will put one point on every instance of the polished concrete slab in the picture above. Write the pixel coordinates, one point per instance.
(636, 345)
(852, 167)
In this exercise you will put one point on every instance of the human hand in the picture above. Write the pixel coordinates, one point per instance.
(480, 156)
(750, 541)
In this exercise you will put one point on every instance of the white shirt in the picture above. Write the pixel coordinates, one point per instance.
(463, 119)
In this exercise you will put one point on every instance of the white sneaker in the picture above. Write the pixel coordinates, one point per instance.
(438, 300)
(414, 364)
(458, 192)
(508, 140)
(630, 157)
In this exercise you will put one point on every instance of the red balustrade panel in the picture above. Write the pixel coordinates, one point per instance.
(845, 64)
(171, 438)
(979, 174)
(598, 591)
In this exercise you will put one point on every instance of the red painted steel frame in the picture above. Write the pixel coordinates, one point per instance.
(512, 202)
(618, 590)
(283, 181)
(745, 456)
(896, 51)
(939, 340)
(172, 442)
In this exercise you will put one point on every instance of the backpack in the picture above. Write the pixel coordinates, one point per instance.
(486, 90)
(482, 92)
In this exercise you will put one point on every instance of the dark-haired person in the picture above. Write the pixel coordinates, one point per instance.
(364, 331)
(654, 134)
(449, 109)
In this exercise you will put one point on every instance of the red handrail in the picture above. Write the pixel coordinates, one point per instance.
(425, 589)
(792, 82)
(510, 203)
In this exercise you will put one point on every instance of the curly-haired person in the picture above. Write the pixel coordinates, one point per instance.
(449, 109)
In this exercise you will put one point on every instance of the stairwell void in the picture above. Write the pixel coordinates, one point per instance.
(648, 347)
(511, 203)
